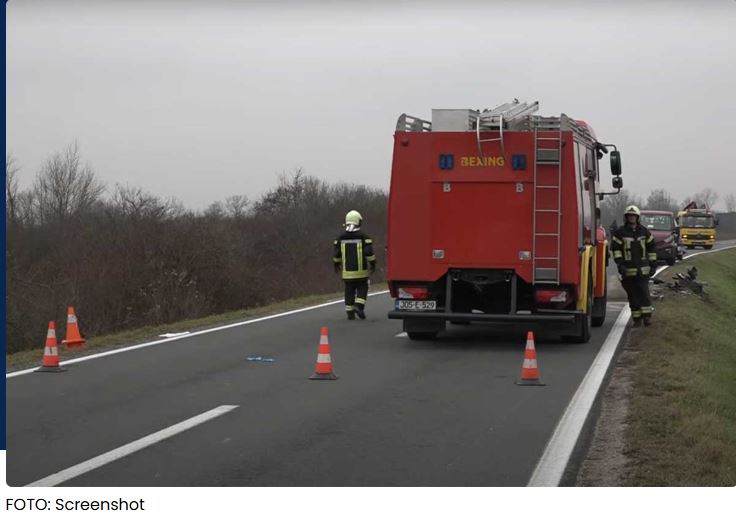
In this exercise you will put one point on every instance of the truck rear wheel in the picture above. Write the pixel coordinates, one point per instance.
(423, 329)
(422, 335)
(599, 307)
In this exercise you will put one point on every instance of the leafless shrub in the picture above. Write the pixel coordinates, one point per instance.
(131, 259)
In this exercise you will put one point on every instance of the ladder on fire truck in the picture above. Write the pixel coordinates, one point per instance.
(505, 116)
(547, 210)
(547, 206)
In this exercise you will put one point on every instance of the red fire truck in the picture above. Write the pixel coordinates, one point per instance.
(493, 217)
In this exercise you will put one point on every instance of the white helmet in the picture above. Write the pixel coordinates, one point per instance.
(632, 209)
(353, 217)
(353, 220)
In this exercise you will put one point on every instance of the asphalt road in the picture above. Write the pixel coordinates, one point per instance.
(445, 412)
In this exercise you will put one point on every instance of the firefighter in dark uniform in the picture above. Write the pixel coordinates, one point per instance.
(353, 253)
(635, 255)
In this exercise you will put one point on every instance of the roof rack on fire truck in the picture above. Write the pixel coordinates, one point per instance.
(504, 115)
(408, 123)
(510, 116)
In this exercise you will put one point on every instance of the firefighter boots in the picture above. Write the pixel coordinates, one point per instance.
(351, 315)
(360, 312)
(647, 320)
(637, 322)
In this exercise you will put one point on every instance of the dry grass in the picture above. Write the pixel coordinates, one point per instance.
(681, 428)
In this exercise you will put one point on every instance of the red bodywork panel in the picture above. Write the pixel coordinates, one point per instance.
(482, 221)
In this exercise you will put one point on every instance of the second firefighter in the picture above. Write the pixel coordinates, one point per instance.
(636, 257)
(353, 254)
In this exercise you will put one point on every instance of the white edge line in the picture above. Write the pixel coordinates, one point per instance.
(703, 252)
(189, 335)
(554, 460)
(125, 450)
(708, 252)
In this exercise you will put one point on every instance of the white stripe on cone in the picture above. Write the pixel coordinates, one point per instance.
(51, 351)
(51, 334)
(530, 364)
(324, 358)
(323, 340)
(530, 344)
(72, 319)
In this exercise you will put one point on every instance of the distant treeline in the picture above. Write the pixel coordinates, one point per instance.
(125, 258)
(612, 207)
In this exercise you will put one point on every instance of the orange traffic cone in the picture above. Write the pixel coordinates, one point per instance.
(529, 370)
(50, 362)
(73, 339)
(323, 369)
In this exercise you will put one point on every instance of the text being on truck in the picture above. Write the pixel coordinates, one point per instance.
(697, 226)
(494, 218)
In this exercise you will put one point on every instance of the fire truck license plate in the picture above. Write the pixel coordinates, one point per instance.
(403, 304)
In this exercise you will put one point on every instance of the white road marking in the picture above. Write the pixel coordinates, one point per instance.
(194, 334)
(125, 450)
(701, 252)
(707, 252)
(553, 462)
(401, 335)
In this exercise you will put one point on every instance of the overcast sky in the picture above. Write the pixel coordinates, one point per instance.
(202, 100)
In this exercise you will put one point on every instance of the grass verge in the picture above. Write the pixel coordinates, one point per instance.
(32, 358)
(681, 427)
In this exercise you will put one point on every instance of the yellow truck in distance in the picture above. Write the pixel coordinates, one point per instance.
(697, 226)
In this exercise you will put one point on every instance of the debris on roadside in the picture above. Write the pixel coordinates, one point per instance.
(263, 359)
(682, 283)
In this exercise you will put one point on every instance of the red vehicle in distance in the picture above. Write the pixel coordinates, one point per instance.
(661, 224)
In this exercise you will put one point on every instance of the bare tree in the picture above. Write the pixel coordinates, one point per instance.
(285, 196)
(65, 187)
(134, 202)
(236, 206)
(660, 199)
(11, 189)
(706, 198)
(131, 259)
(730, 201)
(215, 210)
(613, 206)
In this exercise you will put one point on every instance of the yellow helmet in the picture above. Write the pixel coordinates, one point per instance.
(632, 209)
(353, 217)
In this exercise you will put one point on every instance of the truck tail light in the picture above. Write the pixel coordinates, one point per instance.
(413, 293)
(554, 296)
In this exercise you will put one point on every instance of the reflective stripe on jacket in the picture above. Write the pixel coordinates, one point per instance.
(354, 252)
(634, 247)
